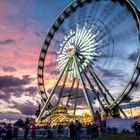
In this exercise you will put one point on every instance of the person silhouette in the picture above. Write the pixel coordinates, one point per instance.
(78, 128)
(26, 129)
(72, 130)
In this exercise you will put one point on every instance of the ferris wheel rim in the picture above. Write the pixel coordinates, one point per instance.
(69, 10)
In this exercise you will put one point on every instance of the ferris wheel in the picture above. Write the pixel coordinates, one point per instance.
(90, 52)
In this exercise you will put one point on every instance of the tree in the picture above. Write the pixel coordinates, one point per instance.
(20, 122)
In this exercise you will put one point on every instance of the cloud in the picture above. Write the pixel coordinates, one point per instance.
(12, 116)
(128, 105)
(7, 42)
(23, 103)
(109, 73)
(133, 56)
(27, 108)
(8, 69)
(31, 90)
(11, 81)
(6, 93)
(17, 94)
(21, 95)
(3, 96)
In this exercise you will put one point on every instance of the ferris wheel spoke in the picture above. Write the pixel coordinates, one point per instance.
(88, 42)
(82, 59)
(96, 7)
(118, 19)
(82, 14)
(125, 34)
(61, 56)
(90, 52)
(103, 45)
(77, 35)
(93, 9)
(107, 56)
(71, 21)
(89, 47)
(101, 36)
(111, 24)
(62, 63)
(62, 30)
(82, 34)
(88, 36)
(107, 11)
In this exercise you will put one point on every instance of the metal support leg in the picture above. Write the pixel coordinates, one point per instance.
(62, 88)
(83, 85)
(52, 92)
(92, 87)
(98, 81)
(76, 93)
(71, 89)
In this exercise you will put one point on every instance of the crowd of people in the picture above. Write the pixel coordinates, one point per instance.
(136, 117)
(10, 132)
(92, 130)
(7, 132)
(29, 126)
(74, 130)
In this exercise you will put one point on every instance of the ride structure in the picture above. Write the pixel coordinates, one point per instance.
(90, 57)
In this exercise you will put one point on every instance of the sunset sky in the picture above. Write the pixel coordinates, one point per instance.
(23, 27)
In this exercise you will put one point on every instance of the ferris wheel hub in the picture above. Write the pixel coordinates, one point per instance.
(71, 50)
(82, 43)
